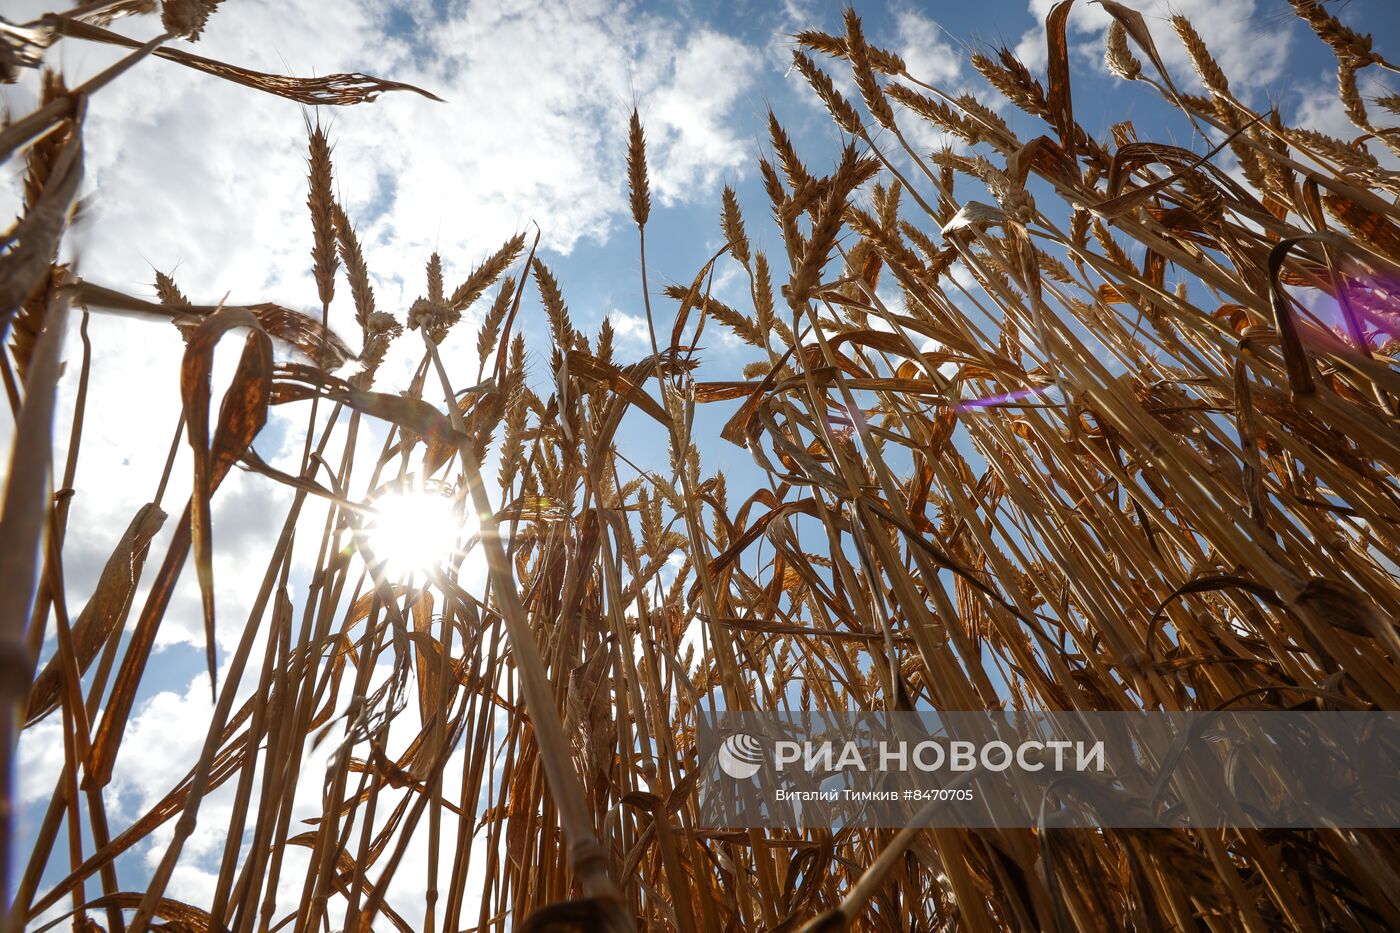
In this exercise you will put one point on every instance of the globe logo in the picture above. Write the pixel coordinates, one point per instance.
(740, 756)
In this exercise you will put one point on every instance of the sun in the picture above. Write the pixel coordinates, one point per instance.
(415, 529)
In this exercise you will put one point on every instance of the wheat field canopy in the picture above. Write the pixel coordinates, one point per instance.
(1032, 418)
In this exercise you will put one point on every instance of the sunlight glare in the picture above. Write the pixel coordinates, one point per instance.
(414, 530)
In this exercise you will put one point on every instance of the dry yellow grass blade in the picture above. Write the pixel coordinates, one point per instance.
(23, 529)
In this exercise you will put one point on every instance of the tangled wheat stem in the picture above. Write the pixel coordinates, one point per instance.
(587, 857)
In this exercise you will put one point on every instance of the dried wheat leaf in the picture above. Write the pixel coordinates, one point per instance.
(1059, 96)
(330, 90)
(105, 611)
(242, 414)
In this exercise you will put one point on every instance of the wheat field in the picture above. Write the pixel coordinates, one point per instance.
(1126, 439)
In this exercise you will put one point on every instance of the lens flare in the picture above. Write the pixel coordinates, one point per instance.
(413, 530)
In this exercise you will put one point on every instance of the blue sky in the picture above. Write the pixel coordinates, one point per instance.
(197, 177)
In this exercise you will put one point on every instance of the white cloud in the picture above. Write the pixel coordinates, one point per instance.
(927, 54)
(629, 327)
(40, 761)
(935, 57)
(1319, 108)
(198, 176)
(711, 73)
(195, 172)
(1248, 44)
